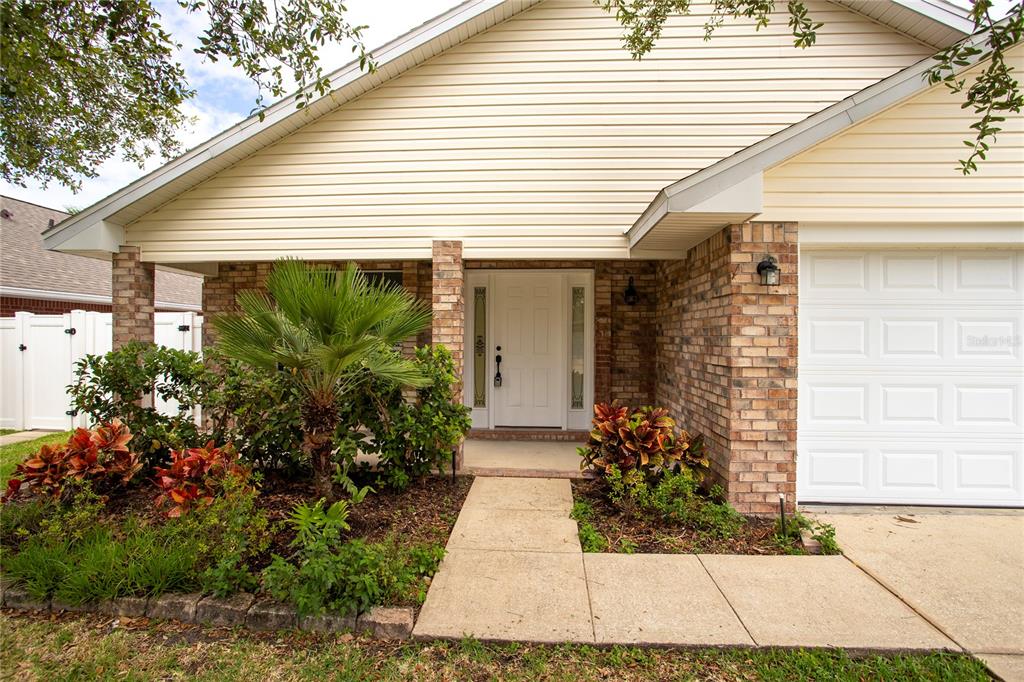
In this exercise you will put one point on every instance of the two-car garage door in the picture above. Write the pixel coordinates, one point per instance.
(911, 377)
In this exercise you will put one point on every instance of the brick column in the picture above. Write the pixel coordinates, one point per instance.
(763, 400)
(449, 322)
(727, 359)
(132, 289)
(603, 311)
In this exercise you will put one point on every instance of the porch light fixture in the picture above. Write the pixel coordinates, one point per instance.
(631, 296)
(768, 269)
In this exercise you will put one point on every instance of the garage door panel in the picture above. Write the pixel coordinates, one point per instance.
(901, 336)
(913, 404)
(987, 272)
(911, 377)
(905, 471)
(926, 276)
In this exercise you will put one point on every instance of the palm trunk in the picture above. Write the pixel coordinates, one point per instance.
(320, 421)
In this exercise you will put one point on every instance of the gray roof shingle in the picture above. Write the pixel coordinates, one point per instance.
(24, 263)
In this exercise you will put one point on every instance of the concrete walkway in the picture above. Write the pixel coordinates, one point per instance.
(963, 570)
(515, 571)
(22, 436)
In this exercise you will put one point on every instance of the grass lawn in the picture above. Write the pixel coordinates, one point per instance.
(12, 455)
(72, 648)
(4, 432)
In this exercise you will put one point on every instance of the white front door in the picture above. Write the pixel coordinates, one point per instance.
(530, 329)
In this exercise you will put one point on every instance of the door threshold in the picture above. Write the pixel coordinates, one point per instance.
(527, 434)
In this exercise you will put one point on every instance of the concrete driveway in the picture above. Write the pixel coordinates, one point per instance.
(962, 570)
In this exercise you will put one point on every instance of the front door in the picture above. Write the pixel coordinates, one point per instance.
(530, 329)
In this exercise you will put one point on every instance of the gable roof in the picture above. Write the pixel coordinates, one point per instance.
(27, 270)
(396, 57)
(736, 180)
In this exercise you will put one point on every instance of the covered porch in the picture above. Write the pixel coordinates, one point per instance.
(540, 341)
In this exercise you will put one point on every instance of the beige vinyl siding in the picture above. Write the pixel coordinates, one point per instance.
(537, 138)
(901, 166)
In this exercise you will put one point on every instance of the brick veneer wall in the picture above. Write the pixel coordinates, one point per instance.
(12, 304)
(219, 292)
(727, 358)
(133, 283)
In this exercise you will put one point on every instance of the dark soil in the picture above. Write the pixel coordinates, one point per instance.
(422, 513)
(650, 535)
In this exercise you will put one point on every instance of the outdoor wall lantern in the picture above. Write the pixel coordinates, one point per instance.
(768, 269)
(631, 296)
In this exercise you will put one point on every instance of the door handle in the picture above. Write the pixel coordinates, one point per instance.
(497, 370)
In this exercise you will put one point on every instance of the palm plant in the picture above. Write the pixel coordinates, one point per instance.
(330, 330)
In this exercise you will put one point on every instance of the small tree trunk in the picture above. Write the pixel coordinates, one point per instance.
(320, 421)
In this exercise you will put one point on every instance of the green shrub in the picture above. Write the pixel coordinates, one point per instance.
(40, 565)
(674, 499)
(327, 573)
(109, 386)
(257, 411)
(22, 519)
(77, 558)
(590, 539)
(412, 437)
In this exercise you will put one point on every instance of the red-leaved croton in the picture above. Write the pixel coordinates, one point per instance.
(643, 439)
(195, 476)
(99, 456)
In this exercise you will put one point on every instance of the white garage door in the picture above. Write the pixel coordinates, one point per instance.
(911, 377)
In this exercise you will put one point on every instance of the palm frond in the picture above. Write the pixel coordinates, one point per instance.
(329, 328)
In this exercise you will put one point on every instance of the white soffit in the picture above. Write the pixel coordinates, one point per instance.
(936, 23)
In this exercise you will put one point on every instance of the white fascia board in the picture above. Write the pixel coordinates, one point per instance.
(277, 113)
(799, 137)
(101, 236)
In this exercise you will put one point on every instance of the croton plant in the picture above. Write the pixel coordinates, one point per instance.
(195, 476)
(99, 456)
(644, 439)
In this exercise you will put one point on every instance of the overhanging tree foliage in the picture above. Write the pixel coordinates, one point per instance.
(994, 93)
(82, 79)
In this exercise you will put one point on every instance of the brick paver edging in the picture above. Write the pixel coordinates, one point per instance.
(239, 610)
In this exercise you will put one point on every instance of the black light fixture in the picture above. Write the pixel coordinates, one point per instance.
(631, 296)
(768, 269)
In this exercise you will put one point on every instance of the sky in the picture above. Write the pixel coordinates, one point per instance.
(225, 96)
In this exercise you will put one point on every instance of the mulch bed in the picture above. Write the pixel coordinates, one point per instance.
(423, 512)
(650, 536)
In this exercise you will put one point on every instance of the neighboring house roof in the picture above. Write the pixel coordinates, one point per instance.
(106, 218)
(27, 270)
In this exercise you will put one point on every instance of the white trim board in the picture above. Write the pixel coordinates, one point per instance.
(816, 235)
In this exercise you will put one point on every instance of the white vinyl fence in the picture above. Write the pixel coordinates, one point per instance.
(38, 354)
